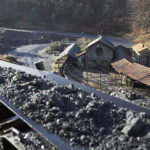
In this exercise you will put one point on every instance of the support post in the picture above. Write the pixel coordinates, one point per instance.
(121, 79)
(86, 65)
(127, 82)
(100, 79)
(55, 66)
(87, 75)
(132, 85)
(115, 77)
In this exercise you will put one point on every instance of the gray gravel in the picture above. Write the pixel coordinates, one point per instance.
(28, 55)
(134, 97)
(76, 116)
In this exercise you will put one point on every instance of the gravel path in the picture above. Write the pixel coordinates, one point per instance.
(76, 116)
(29, 54)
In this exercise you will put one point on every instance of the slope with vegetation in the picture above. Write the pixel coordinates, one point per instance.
(109, 16)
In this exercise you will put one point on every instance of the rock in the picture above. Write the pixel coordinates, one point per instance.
(71, 86)
(2, 80)
(82, 138)
(133, 127)
(122, 138)
(93, 96)
(113, 94)
(65, 126)
(148, 135)
(133, 96)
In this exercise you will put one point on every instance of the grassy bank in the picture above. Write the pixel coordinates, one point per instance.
(139, 37)
(24, 25)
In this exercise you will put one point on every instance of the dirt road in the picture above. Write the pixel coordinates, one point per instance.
(29, 54)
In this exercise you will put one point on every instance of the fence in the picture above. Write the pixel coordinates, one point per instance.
(101, 79)
(98, 80)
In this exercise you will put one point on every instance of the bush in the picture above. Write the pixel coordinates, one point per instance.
(82, 43)
(57, 46)
(8, 58)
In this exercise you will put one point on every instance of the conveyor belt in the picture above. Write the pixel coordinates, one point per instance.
(55, 79)
(54, 139)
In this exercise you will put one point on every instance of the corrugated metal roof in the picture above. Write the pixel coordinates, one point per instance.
(139, 47)
(71, 50)
(93, 42)
(119, 66)
(117, 41)
(102, 40)
(135, 71)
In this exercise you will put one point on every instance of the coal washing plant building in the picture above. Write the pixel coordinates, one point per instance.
(98, 53)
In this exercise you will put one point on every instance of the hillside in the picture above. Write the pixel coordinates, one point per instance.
(109, 16)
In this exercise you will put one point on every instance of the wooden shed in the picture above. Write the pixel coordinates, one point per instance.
(134, 71)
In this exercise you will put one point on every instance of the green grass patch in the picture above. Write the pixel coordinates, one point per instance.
(83, 46)
(83, 42)
(30, 25)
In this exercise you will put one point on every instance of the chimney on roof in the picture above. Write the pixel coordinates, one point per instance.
(99, 35)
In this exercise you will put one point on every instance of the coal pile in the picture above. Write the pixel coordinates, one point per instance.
(33, 141)
(132, 96)
(74, 115)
